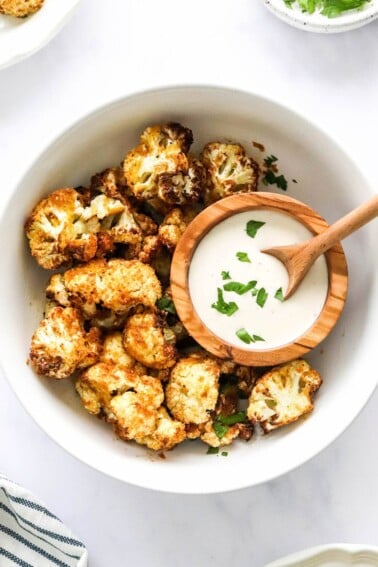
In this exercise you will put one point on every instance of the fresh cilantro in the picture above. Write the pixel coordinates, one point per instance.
(166, 304)
(271, 178)
(328, 8)
(262, 296)
(279, 294)
(272, 159)
(238, 417)
(253, 226)
(224, 454)
(244, 336)
(243, 257)
(220, 429)
(222, 306)
(240, 288)
(212, 451)
(225, 275)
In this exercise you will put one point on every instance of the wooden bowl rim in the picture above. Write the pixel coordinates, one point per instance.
(197, 230)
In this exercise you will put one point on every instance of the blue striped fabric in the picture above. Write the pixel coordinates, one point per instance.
(31, 536)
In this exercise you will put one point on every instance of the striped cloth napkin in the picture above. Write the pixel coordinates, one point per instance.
(31, 536)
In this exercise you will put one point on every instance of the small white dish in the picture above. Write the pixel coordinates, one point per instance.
(21, 37)
(321, 24)
(336, 555)
(326, 179)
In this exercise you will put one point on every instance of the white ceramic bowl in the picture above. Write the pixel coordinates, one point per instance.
(21, 37)
(321, 24)
(327, 180)
(335, 555)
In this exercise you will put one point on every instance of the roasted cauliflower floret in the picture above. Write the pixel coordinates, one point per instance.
(114, 352)
(192, 390)
(111, 182)
(168, 433)
(283, 395)
(60, 345)
(149, 341)
(174, 226)
(20, 8)
(115, 285)
(159, 167)
(65, 227)
(229, 170)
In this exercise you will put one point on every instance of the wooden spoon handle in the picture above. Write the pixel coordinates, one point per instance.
(344, 227)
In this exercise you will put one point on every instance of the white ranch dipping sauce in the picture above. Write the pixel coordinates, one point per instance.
(277, 322)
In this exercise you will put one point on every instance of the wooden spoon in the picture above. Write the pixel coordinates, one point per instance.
(298, 258)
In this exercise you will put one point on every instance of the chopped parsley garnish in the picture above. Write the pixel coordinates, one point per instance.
(328, 8)
(244, 336)
(212, 451)
(271, 178)
(255, 291)
(238, 417)
(166, 304)
(222, 306)
(220, 430)
(224, 454)
(243, 257)
(240, 288)
(253, 226)
(262, 296)
(225, 275)
(279, 294)
(271, 159)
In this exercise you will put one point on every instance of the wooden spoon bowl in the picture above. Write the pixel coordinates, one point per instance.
(195, 232)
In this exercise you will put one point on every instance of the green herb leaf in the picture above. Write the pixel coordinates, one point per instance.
(271, 178)
(261, 298)
(272, 404)
(328, 8)
(240, 288)
(224, 454)
(244, 336)
(220, 429)
(272, 159)
(225, 275)
(255, 291)
(166, 304)
(253, 226)
(257, 338)
(222, 306)
(212, 451)
(238, 417)
(279, 294)
(243, 257)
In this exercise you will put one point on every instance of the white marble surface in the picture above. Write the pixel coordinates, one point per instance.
(112, 48)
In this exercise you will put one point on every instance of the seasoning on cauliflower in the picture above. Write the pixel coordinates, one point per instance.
(159, 167)
(20, 8)
(65, 226)
(60, 345)
(174, 226)
(149, 341)
(168, 433)
(192, 390)
(114, 352)
(103, 287)
(229, 170)
(283, 395)
(111, 182)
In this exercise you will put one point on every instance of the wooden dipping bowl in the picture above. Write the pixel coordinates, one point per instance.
(202, 224)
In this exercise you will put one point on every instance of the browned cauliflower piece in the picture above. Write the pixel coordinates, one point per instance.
(174, 226)
(283, 395)
(113, 286)
(210, 437)
(168, 433)
(148, 340)
(160, 169)
(20, 8)
(114, 352)
(229, 170)
(65, 226)
(111, 182)
(192, 390)
(60, 345)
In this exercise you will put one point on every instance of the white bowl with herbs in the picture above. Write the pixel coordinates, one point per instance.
(325, 16)
(214, 452)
